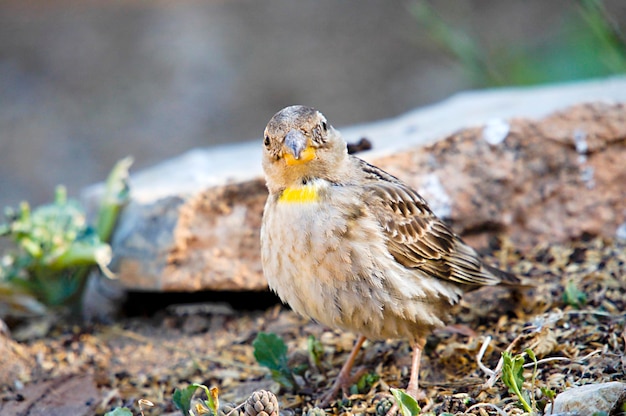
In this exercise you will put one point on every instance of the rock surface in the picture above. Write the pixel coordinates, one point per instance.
(589, 399)
(193, 222)
(546, 181)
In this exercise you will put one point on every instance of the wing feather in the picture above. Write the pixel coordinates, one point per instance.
(418, 239)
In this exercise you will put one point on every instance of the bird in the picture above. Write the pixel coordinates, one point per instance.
(354, 248)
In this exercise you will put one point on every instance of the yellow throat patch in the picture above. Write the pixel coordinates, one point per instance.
(300, 195)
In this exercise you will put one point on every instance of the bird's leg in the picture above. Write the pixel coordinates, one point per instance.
(413, 389)
(344, 379)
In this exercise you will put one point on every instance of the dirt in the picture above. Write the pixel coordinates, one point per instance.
(91, 369)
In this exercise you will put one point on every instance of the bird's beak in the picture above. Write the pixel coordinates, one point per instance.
(296, 147)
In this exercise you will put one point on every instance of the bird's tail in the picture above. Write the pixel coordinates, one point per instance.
(506, 278)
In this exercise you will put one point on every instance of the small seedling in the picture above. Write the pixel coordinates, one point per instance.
(573, 296)
(316, 351)
(407, 404)
(513, 378)
(364, 384)
(271, 351)
(549, 396)
(182, 400)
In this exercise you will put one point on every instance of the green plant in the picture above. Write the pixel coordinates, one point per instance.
(513, 378)
(56, 248)
(364, 383)
(407, 404)
(119, 411)
(182, 400)
(316, 351)
(548, 395)
(573, 296)
(271, 351)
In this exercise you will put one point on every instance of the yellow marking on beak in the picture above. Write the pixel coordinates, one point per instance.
(307, 155)
(301, 194)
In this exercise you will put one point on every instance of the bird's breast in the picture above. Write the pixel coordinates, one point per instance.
(326, 256)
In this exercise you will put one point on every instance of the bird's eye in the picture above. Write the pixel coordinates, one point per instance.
(266, 142)
(324, 125)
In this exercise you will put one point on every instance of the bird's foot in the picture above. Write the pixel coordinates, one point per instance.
(342, 383)
(416, 393)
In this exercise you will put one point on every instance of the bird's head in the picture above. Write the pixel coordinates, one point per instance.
(300, 145)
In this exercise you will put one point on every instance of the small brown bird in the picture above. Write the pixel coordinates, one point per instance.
(353, 247)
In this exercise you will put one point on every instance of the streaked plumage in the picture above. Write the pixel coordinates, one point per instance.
(353, 247)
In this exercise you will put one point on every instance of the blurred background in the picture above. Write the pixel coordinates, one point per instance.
(85, 83)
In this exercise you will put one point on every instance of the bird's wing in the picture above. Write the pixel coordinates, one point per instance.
(416, 238)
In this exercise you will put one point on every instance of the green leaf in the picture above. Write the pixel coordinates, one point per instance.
(116, 195)
(513, 377)
(119, 411)
(271, 351)
(364, 383)
(550, 394)
(284, 378)
(182, 398)
(79, 253)
(533, 357)
(513, 372)
(407, 404)
(316, 350)
(573, 296)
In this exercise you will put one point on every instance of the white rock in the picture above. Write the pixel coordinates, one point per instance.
(495, 131)
(585, 400)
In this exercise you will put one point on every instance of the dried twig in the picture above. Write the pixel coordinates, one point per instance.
(481, 354)
(235, 408)
(496, 373)
(550, 359)
(492, 406)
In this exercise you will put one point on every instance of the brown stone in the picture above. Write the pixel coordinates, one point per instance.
(537, 185)
(206, 240)
(535, 181)
(216, 243)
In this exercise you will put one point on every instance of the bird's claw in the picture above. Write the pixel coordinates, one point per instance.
(342, 383)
